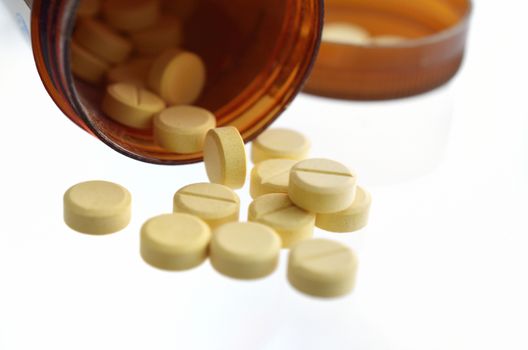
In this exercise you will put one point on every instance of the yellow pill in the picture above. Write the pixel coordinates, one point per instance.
(131, 106)
(87, 66)
(245, 250)
(175, 241)
(131, 15)
(132, 72)
(322, 186)
(163, 35)
(102, 41)
(345, 33)
(351, 219)
(270, 176)
(225, 157)
(182, 129)
(181, 8)
(277, 211)
(213, 203)
(178, 77)
(280, 143)
(88, 8)
(322, 268)
(97, 207)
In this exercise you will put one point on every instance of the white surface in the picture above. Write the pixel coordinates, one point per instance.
(443, 262)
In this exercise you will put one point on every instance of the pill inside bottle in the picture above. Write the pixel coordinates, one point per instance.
(227, 57)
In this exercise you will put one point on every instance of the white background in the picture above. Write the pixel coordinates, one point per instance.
(444, 262)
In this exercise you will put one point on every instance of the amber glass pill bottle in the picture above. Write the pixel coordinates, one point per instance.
(434, 33)
(258, 54)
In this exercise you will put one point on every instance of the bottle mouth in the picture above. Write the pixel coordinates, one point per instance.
(257, 55)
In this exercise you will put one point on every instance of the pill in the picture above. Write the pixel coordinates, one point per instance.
(322, 186)
(270, 176)
(164, 34)
(102, 41)
(182, 129)
(182, 8)
(87, 66)
(322, 268)
(279, 143)
(97, 207)
(388, 39)
(351, 219)
(277, 211)
(131, 15)
(88, 8)
(213, 203)
(178, 77)
(134, 72)
(345, 33)
(131, 106)
(225, 157)
(175, 241)
(245, 250)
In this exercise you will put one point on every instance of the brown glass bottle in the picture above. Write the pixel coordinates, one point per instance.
(258, 54)
(436, 32)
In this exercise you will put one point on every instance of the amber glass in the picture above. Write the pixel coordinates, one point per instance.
(258, 54)
(436, 32)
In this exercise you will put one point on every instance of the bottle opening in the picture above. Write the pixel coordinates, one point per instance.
(257, 55)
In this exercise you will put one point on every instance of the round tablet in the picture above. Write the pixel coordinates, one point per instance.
(279, 143)
(277, 211)
(271, 176)
(213, 203)
(225, 157)
(131, 15)
(87, 66)
(97, 207)
(102, 41)
(131, 105)
(322, 268)
(182, 129)
(166, 33)
(178, 77)
(245, 250)
(322, 186)
(351, 219)
(175, 241)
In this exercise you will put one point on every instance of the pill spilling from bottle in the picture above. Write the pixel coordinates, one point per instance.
(148, 82)
(290, 198)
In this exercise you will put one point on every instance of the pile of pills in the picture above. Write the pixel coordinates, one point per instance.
(291, 196)
(151, 84)
(133, 50)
